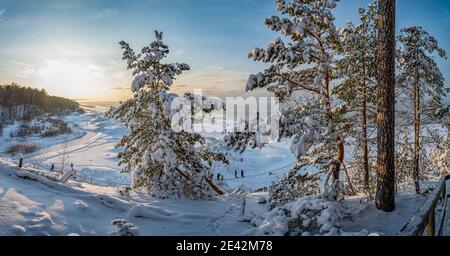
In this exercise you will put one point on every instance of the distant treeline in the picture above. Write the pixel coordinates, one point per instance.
(19, 102)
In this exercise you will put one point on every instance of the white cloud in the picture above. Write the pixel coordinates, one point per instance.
(213, 80)
(8, 22)
(2, 12)
(105, 13)
(179, 52)
(26, 69)
(64, 5)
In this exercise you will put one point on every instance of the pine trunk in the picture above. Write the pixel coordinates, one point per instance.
(364, 132)
(337, 168)
(340, 149)
(417, 124)
(385, 195)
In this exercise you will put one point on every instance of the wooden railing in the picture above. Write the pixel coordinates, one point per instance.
(424, 221)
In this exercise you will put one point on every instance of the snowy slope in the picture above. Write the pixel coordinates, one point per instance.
(46, 207)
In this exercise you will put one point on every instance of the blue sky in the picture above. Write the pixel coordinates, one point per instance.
(70, 47)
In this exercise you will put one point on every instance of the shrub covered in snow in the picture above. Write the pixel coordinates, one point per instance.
(124, 228)
(124, 191)
(44, 127)
(21, 149)
(309, 215)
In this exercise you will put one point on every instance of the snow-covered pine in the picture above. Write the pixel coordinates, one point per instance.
(403, 159)
(357, 70)
(440, 156)
(300, 75)
(247, 136)
(420, 82)
(443, 113)
(163, 161)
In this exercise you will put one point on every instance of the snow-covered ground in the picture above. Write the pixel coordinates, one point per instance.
(88, 205)
(45, 207)
(33, 205)
(364, 214)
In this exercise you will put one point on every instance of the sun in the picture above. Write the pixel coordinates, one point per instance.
(70, 78)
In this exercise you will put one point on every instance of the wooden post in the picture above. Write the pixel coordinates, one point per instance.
(243, 204)
(444, 208)
(444, 195)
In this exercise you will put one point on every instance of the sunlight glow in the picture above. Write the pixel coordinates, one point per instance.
(69, 78)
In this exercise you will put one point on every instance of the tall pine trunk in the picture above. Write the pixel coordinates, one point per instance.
(417, 124)
(364, 132)
(385, 196)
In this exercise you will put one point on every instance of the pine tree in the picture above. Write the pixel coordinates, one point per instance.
(440, 156)
(300, 75)
(161, 160)
(385, 195)
(421, 81)
(403, 159)
(357, 68)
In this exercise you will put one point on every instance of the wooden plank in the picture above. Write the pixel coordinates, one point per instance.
(445, 231)
(431, 227)
(444, 198)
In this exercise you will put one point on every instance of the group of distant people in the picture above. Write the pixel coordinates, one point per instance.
(220, 177)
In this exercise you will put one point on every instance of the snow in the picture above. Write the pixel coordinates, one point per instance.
(50, 208)
(98, 196)
(309, 213)
(42, 142)
(88, 205)
(90, 148)
(366, 216)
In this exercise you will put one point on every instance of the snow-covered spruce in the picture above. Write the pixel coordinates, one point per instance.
(161, 160)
